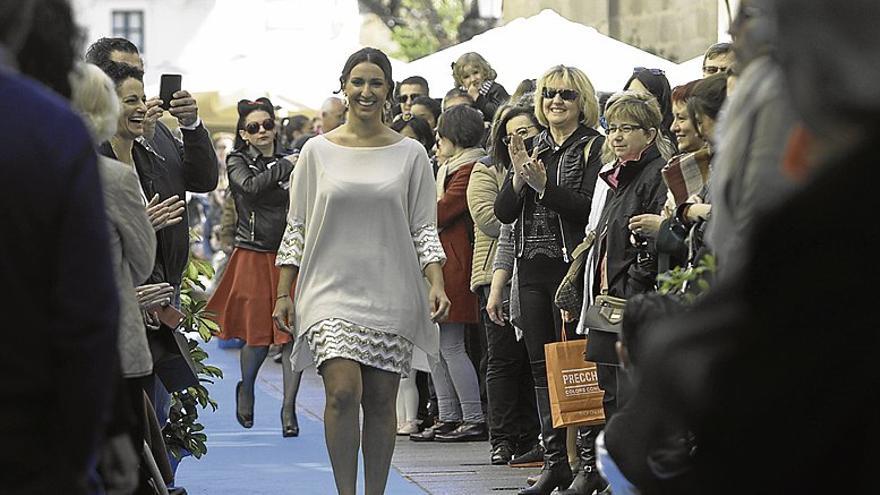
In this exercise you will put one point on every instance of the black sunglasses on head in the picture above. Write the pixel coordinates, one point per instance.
(566, 94)
(654, 72)
(254, 127)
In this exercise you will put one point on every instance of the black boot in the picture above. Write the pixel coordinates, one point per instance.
(556, 472)
(588, 479)
(552, 477)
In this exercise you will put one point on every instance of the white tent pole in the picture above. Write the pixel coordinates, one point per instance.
(727, 10)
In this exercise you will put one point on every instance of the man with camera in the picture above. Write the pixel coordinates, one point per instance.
(167, 169)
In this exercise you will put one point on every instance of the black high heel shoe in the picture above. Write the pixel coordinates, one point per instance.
(289, 429)
(245, 420)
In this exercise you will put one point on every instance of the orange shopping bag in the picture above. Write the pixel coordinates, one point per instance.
(575, 396)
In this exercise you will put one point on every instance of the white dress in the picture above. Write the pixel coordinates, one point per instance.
(362, 226)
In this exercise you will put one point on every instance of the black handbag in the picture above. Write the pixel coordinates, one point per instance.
(171, 360)
(604, 319)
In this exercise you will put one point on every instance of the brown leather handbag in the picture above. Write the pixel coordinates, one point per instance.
(570, 293)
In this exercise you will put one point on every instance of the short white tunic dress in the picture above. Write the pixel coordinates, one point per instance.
(362, 226)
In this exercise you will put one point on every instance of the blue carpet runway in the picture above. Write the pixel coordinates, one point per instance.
(259, 461)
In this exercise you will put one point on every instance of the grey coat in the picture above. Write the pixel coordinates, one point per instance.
(133, 247)
(747, 178)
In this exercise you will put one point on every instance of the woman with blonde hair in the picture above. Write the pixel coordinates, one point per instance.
(472, 73)
(548, 193)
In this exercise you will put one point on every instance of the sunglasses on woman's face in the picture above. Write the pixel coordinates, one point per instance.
(522, 132)
(566, 94)
(254, 127)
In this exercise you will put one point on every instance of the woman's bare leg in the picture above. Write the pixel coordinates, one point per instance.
(379, 426)
(291, 386)
(343, 389)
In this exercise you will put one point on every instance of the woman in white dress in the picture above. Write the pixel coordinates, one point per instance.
(361, 239)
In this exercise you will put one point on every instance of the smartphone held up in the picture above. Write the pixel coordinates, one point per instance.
(168, 85)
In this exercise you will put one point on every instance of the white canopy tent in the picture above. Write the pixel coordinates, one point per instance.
(686, 71)
(524, 48)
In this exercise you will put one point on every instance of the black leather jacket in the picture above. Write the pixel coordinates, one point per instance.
(167, 166)
(259, 186)
(571, 179)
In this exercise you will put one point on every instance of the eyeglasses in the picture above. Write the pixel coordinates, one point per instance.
(566, 94)
(522, 132)
(712, 69)
(254, 127)
(624, 129)
(409, 97)
(654, 72)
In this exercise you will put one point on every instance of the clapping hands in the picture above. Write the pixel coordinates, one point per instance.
(165, 213)
(527, 169)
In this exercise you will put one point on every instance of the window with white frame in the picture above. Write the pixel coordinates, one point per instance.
(129, 24)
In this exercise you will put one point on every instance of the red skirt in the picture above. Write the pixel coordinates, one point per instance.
(245, 297)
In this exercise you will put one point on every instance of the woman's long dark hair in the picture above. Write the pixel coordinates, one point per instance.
(707, 98)
(372, 56)
(656, 82)
(499, 131)
(420, 127)
(245, 108)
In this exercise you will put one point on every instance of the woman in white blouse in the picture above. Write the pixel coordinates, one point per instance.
(361, 240)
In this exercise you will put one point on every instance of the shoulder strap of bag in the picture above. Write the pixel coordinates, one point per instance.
(585, 245)
(587, 149)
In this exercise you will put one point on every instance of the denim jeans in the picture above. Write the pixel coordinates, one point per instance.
(455, 380)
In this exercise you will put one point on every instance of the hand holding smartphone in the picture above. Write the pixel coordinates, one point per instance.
(168, 85)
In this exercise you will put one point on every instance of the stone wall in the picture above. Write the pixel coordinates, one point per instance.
(675, 29)
(590, 12)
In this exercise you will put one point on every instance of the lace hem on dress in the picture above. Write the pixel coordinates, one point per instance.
(338, 338)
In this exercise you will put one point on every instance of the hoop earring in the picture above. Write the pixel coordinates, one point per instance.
(387, 106)
(345, 100)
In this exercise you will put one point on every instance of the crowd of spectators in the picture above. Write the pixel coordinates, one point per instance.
(727, 218)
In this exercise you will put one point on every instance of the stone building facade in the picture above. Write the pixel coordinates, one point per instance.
(677, 30)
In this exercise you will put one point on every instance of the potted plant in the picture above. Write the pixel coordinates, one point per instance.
(688, 282)
(184, 435)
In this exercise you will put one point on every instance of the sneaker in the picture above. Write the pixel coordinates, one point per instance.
(408, 427)
(532, 458)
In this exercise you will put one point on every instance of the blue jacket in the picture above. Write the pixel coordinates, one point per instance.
(60, 309)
